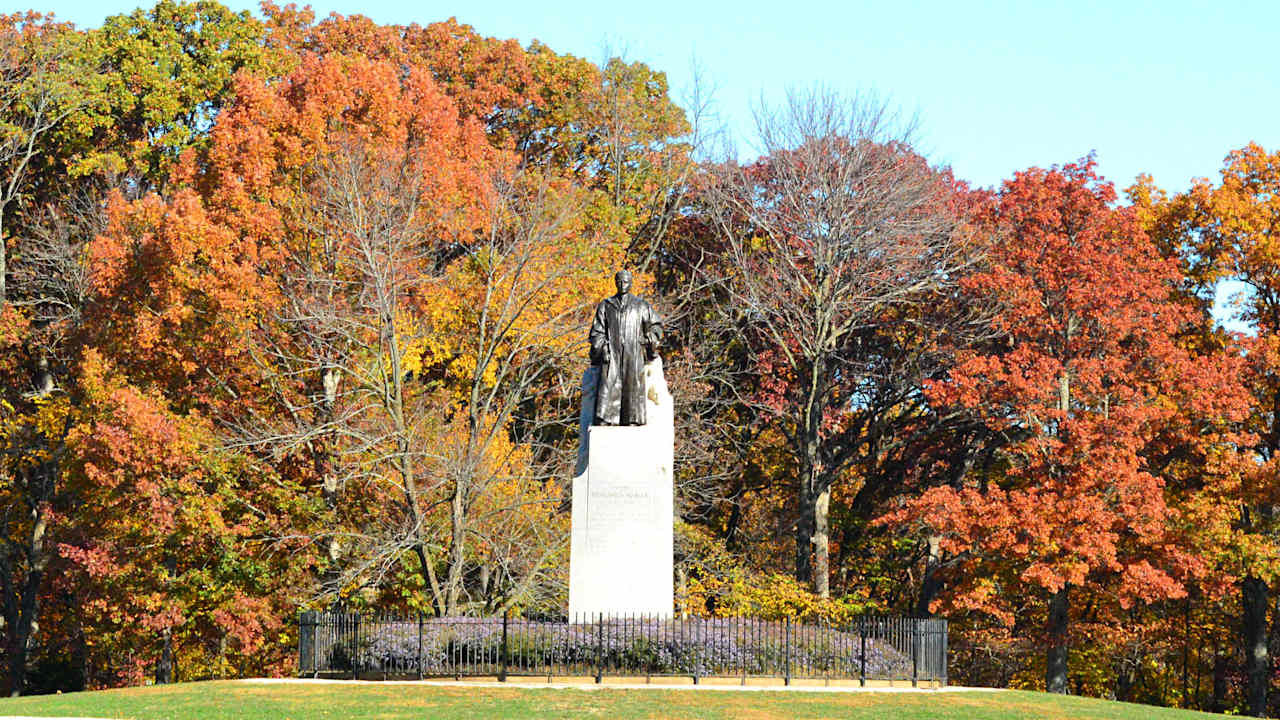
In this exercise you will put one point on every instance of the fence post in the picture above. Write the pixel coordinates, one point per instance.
(915, 652)
(599, 648)
(862, 652)
(302, 643)
(935, 672)
(698, 655)
(943, 629)
(419, 644)
(355, 648)
(548, 650)
(502, 674)
(648, 631)
(827, 638)
(315, 641)
(787, 653)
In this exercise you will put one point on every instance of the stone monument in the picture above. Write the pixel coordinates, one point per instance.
(620, 554)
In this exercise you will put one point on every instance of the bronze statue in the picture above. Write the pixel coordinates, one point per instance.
(624, 335)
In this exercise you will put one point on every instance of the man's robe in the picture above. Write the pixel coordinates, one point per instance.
(624, 334)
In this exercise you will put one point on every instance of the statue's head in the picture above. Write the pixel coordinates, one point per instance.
(623, 281)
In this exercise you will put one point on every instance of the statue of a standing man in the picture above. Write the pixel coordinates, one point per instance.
(624, 335)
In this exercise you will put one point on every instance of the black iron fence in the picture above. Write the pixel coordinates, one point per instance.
(363, 645)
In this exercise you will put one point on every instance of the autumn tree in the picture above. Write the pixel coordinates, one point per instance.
(44, 78)
(63, 128)
(1078, 389)
(613, 127)
(432, 296)
(70, 106)
(124, 100)
(837, 224)
(1228, 232)
(387, 172)
(119, 424)
(164, 75)
(169, 556)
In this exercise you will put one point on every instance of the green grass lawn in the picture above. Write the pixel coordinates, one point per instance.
(198, 701)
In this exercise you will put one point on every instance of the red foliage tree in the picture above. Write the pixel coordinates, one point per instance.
(1087, 374)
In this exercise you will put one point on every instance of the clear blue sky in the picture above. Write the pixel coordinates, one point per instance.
(1166, 88)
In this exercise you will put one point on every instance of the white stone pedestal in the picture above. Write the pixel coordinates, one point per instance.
(620, 557)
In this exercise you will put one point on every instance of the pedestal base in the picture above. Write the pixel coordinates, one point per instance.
(621, 551)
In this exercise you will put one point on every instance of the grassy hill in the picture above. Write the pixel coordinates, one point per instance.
(200, 701)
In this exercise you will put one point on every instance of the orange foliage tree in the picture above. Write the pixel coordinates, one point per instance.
(1231, 232)
(431, 295)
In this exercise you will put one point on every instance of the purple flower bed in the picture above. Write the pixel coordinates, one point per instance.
(701, 647)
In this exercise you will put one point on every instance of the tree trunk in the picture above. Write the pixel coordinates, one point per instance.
(1253, 596)
(814, 500)
(804, 536)
(43, 376)
(682, 590)
(80, 658)
(164, 668)
(931, 584)
(22, 595)
(325, 468)
(813, 517)
(731, 530)
(4, 255)
(457, 546)
(1186, 652)
(20, 611)
(822, 543)
(19, 631)
(1124, 683)
(1055, 668)
(17, 652)
(1218, 703)
(847, 539)
(446, 598)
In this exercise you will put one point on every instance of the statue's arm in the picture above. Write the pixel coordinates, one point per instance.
(599, 337)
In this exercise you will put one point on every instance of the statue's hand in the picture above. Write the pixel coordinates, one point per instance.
(650, 351)
(601, 354)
